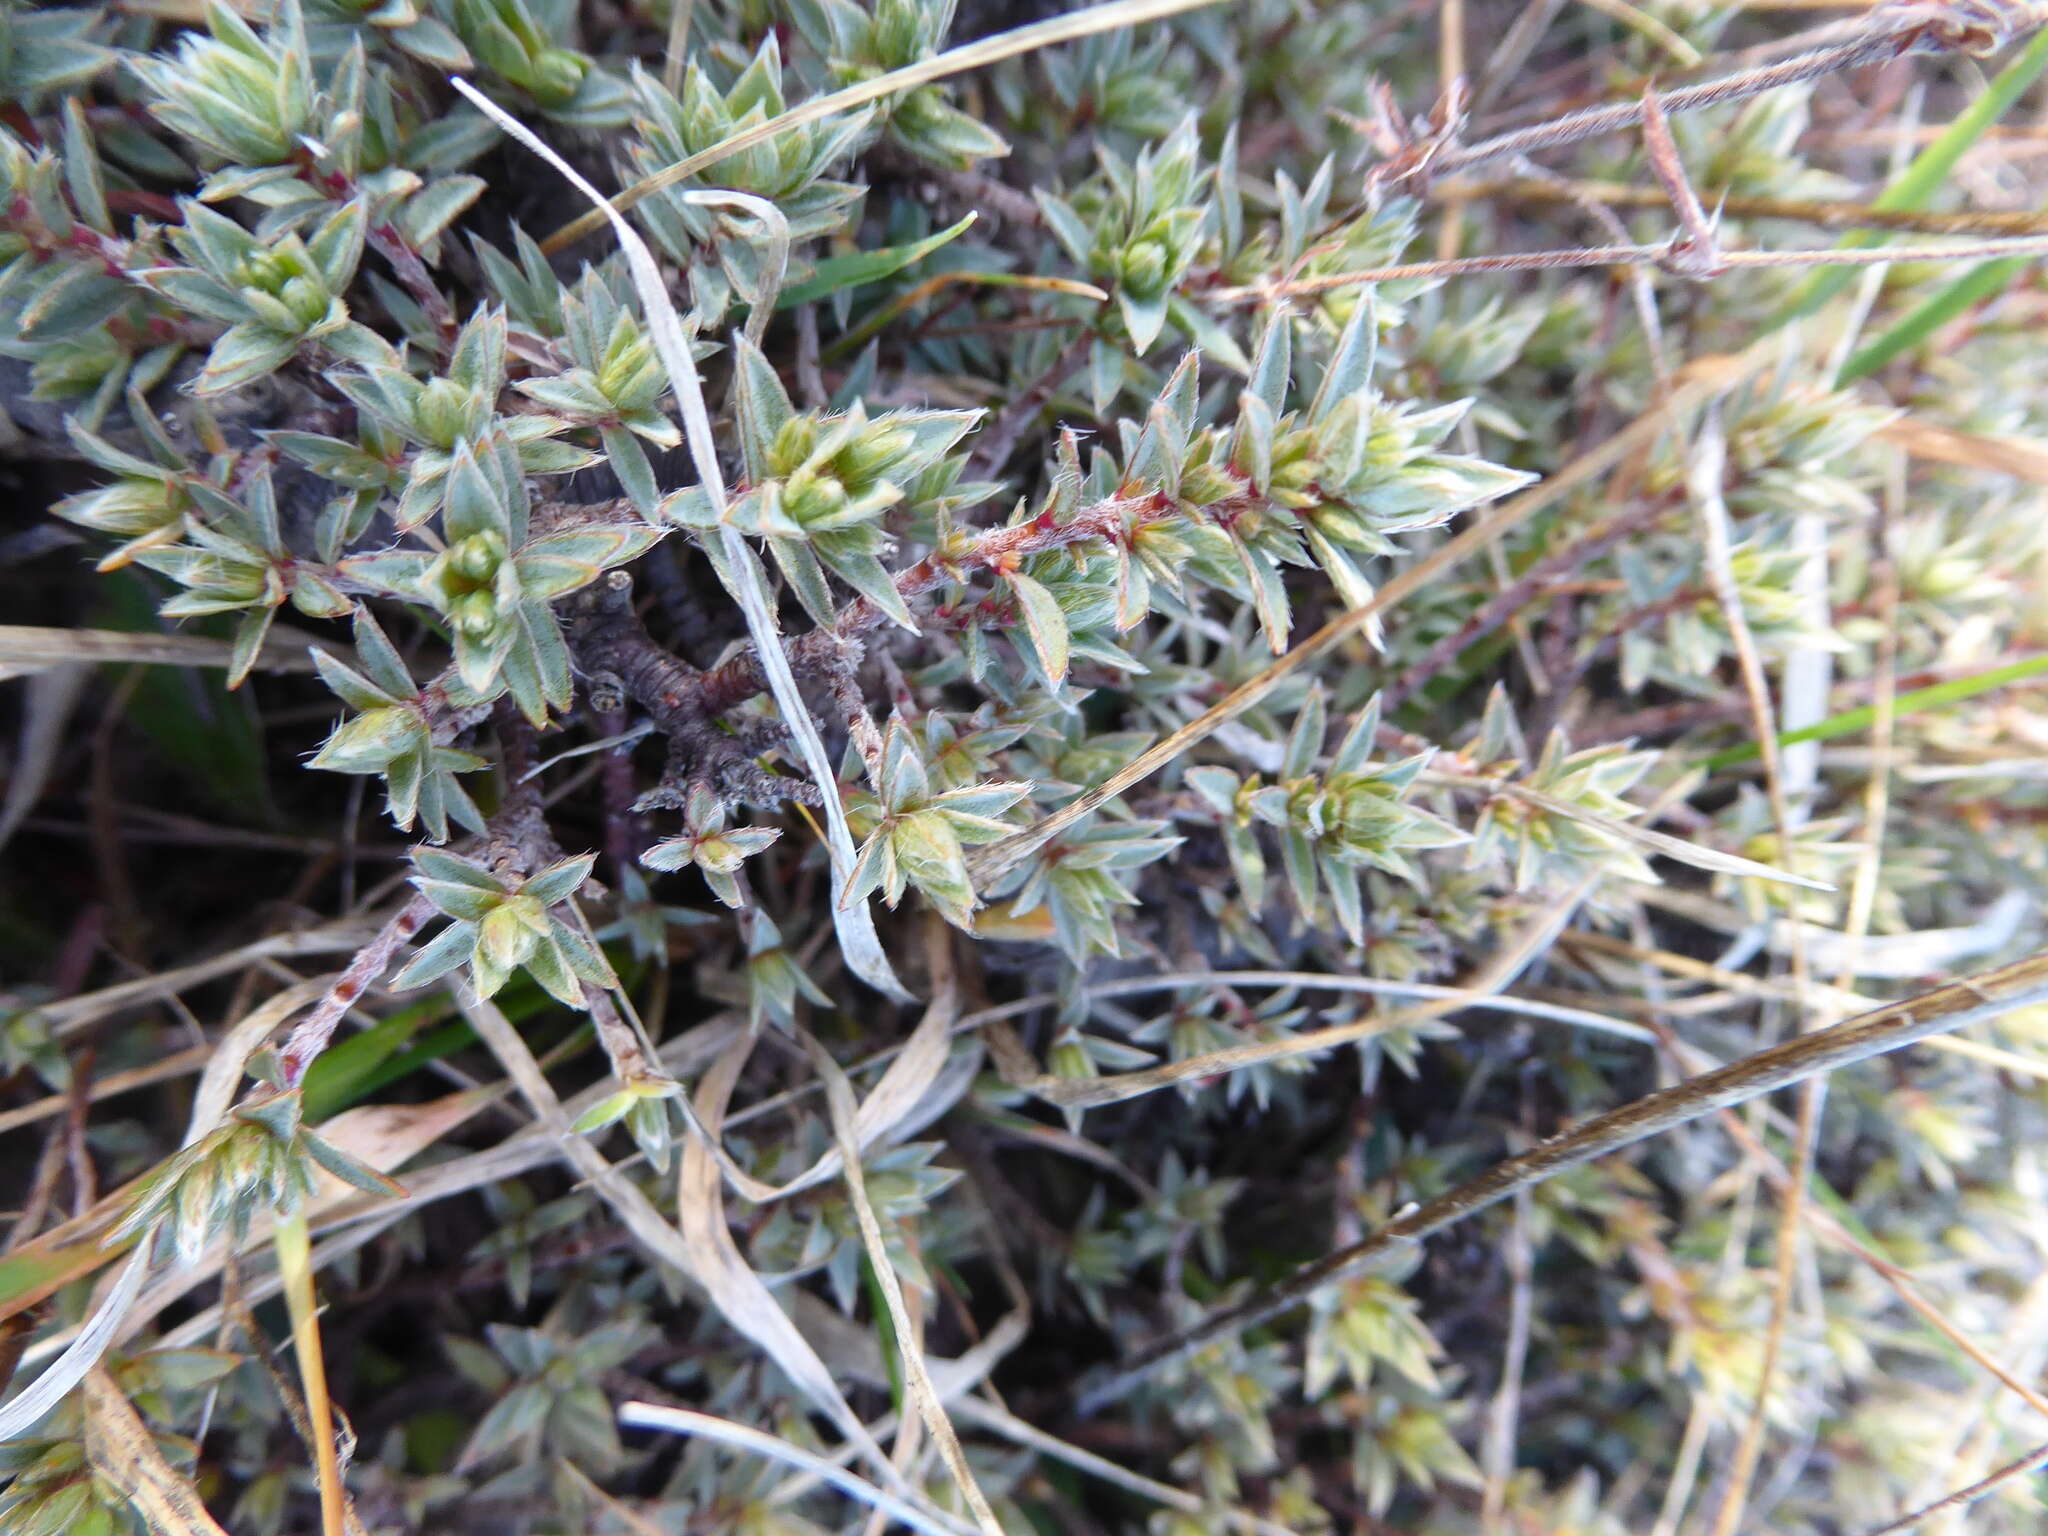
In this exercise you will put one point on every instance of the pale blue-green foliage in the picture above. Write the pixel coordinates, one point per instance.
(715, 849)
(262, 1158)
(616, 384)
(1082, 878)
(920, 831)
(1330, 825)
(60, 303)
(1115, 80)
(817, 485)
(50, 1486)
(546, 1389)
(1543, 847)
(392, 737)
(1325, 482)
(774, 977)
(501, 923)
(44, 49)
(273, 296)
(238, 96)
(226, 550)
(495, 580)
(525, 45)
(1692, 637)
(229, 263)
(28, 1040)
(1137, 227)
(789, 171)
(458, 409)
(148, 502)
(819, 1232)
(859, 43)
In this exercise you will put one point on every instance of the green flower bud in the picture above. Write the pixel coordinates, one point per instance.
(475, 614)
(1069, 1059)
(629, 371)
(897, 36)
(306, 299)
(1296, 474)
(476, 559)
(792, 444)
(922, 108)
(508, 933)
(1143, 269)
(557, 77)
(810, 497)
(446, 413)
(267, 271)
(1206, 484)
(870, 457)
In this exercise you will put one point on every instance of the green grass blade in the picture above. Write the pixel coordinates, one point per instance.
(1979, 285)
(348, 1071)
(1850, 721)
(851, 271)
(1930, 168)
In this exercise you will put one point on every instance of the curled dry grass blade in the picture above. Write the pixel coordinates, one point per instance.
(739, 569)
(703, 1248)
(682, 1421)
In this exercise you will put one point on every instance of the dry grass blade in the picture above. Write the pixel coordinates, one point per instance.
(1695, 854)
(295, 1269)
(189, 1060)
(1945, 1008)
(1014, 1429)
(635, 1524)
(739, 569)
(703, 1248)
(1457, 997)
(1963, 1498)
(82, 1354)
(361, 1218)
(917, 1378)
(1700, 381)
(25, 649)
(76, 1013)
(1823, 213)
(1901, 1282)
(1892, 31)
(911, 1089)
(1113, 17)
(2020, 457)
(1662, 842)
(1497, 1439)
(1566, 258)
(386, 1137)
(738, 1292)
(1891, 956)
(1706, 469)
(110, 1318)
(681, 1421)
(1682, 53)
(124, 1452)
(1089, 1093)
(51, 694)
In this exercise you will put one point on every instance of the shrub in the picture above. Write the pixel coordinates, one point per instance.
(1030, 578)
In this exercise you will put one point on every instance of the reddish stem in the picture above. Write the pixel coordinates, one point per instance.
(310, 1038)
